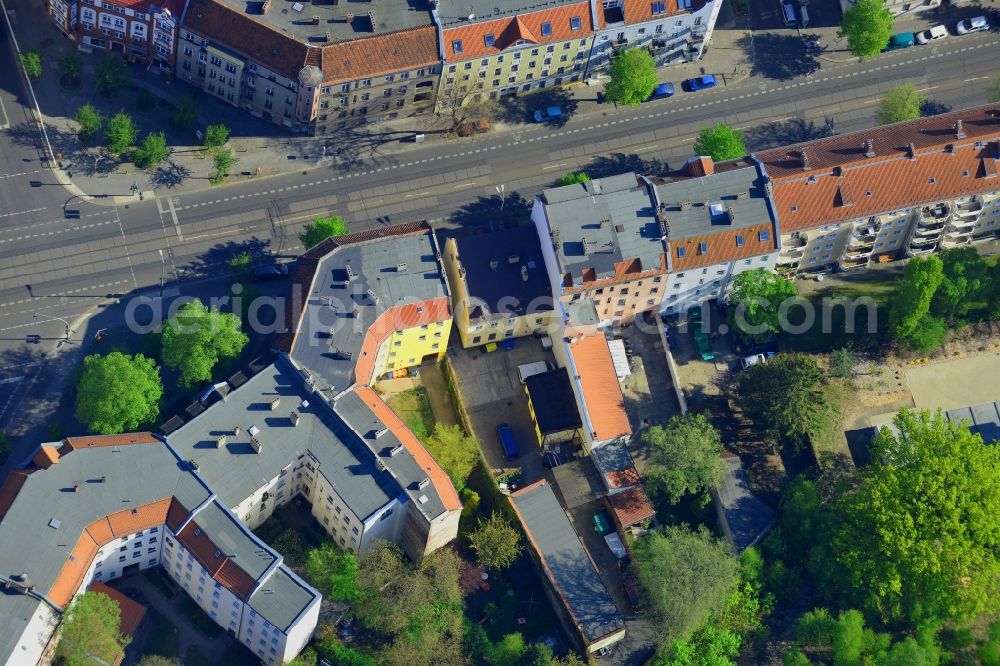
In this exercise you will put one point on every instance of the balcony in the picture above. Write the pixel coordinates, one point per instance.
(791, 254)
(921, 246)
(955, 240)
(851, 263)
(981, 235)
(928, 229)
(796, 241)
(973, 206)
(961, 224)
(937, 212)
(862, 252)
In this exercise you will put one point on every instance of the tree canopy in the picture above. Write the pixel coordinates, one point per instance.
(721, 143)
(334, 571)
(321, 229)
(216, 135)
(70, 65)
(109, 75)
(121, 133)
(993, 90)
(787, 398)
(685, 456)
(965, 280)
(222, 161)
(920, 535)
(867, 26)
(900, 103)
(31, 60)
(154, 149)
(89, 122)
(686, 576)
(117, 392)
(90, 627)
(573, 178)
(757, 296)
(909, 313)
(496, 542)
(185, 112)
(196, 338)
(633, 77)
(454, 450)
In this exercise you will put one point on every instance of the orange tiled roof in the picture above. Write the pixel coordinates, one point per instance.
(382, 54)
(220, 568)
(631, 506)
(46, 456)
(132, 611)
(443, 485)
(394, 319)
(886, 168)
(599, 383)
(176, 515)
(623, 478)
(722, 247)
(508, 31)
(111, 440)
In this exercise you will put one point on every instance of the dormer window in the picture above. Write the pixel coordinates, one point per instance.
(703, 248)
(681, 251)
(489, 39)
(546, 29)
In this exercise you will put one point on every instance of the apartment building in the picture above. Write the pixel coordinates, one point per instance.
(492, 49)
(674, 31)
(499, 286)
(895, 191)
(99, 507)
(139, 30)
(313, 68)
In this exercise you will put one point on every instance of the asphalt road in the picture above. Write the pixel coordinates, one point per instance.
(53, 267)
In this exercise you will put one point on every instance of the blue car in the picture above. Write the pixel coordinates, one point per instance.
(661, 91)
(550, 113)
(701, 82)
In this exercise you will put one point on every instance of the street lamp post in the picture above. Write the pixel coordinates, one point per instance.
(162, 268)
(65, 323)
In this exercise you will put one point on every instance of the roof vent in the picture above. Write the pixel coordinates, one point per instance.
(424, 483)
(400, 267)
(869, 148)
(294, 418)
(256, 445)
(804, 157)
(220, 441)
(275, 403)
(959, 133)
(396, 450)
(513, 259)
(297, 7)
(253, 431)
(422, 499)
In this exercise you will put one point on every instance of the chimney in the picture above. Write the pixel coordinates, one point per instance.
(265, 6)
(912, 150)
(326, 36)
(102, 479)
(371, 19)
(220, 441)
(869, 148)
(513, 259)
(236, 431)
(380, 432)
(371, 295)
(275, 403)
(731, 214)
(315, 20)
(400, 267)
(396, 450)
(349, 19)
(424, 483)
(959, 134)
(76, 487)
(685, 205)
(804, 157)
(742, 195)
(524, 273)
(294, 417)
(256, 445)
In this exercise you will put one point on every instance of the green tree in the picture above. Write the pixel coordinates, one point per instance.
(145, 101)
(842, 362)
(240, 263)
(89, 122)
(455, 451)
(185, 112)
(848, 638)
(154, 149)
(509, 651)
(814, 630)
(159, 660)
(216, 135)
(633, 77)
(993, 91)
(756, 297)
(496, 542)
(223, 161)
(965, 280)
(867, 26)
(117, 392)
(333, 571)
(686, 576)
(909, 312)
(721, 143)
(71, 66)
(109, 75)
(918, 533)
(321, 229)
(90, 626)
(196, 338)
(989, 651)
(900, 103)
(795, 657)
(121, 133)
(787, 398)
(573, 178)
(685, 456)
(31, 60)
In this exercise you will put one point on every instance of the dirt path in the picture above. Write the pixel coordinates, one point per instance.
(437, 394)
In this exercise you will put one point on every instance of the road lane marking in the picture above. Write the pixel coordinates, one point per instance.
(458, 187)
(553, 166)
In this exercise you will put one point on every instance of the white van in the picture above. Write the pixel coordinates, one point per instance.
(788, 12)
(529, 369)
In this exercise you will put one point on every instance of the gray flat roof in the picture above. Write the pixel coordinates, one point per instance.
(711, 198)
(295, 17)
(340, 311)
(569, 566)
(747, 518)
(282, 598)
(16, 611)
(615, 215)
(234, 540)
(236, 470)
(453, 14)
(984, 419)
(496, 265)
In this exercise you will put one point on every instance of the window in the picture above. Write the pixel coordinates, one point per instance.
(681, 251)
(739, 240)
(489, 39)
(764, 235)
(546, 29)
(456, 46)
(703, 248)
(574, 24)
(659, 8)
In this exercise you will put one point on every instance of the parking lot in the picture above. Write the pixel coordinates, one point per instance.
(704, 382)
(492, 394)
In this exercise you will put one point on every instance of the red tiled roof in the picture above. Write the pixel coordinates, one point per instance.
(176, 515)
(623, 478)
(443, 485)
(722, 247)
(869, 172)
(599, 384)
(508, 31)
(46, 456)
(88, 441)
(382, 54)
(132, 612)
(640, 11)
(175, 7)
(631, 506)
(220, 567)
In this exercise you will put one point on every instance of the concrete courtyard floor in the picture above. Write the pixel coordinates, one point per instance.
(965, 381)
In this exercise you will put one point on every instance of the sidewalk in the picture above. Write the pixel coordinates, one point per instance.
(262, 148)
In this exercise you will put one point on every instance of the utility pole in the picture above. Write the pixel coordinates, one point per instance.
(65, 323)
(162, 269)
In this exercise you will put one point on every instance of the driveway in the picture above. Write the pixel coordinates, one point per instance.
(492, 394)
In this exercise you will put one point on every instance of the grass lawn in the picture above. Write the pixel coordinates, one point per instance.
(199, 618)
(162, 637)
(415, 410)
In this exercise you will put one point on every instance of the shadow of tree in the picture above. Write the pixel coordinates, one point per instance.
(169, 175)
(520, 108)
(781, 57)
(487, 212)
(796, 130)
(619, 163)
(932, 107)
(215, 260)
(347, 147)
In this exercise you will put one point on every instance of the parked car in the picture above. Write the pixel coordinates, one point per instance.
(548, 114)
(788, 12)
(927, 36)
(506, 437)
(601, 523)
(900, 40)
(976, 24)
(661, 91)
(270, 272)
(701, 82)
